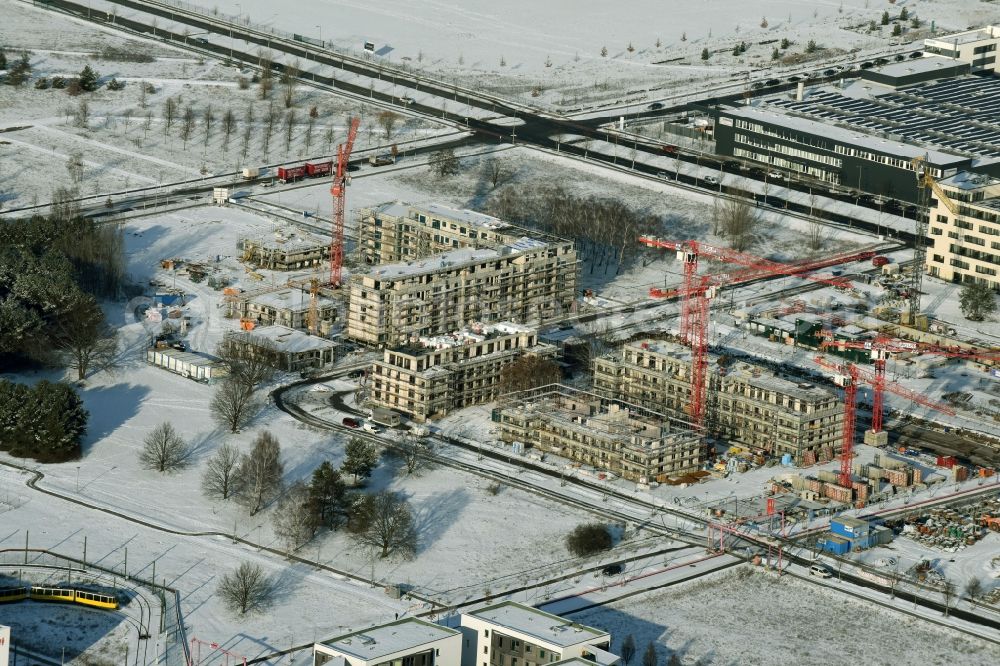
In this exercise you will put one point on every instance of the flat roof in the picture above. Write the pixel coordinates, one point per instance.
(964, 180)
(294, 299)
(189, 357)
(931, 63)
(539, 624)
(394, 208)
(842, 135)
(966, 37)
(432, 264)
(386, 639)
(464, 215)
(289, 340)
(849, 521)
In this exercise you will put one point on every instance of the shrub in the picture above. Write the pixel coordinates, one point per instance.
(588, 539)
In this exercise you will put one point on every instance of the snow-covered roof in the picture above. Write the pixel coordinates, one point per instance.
(190, 358)
(394, 208)
(473, 333)
(404, 635)
(287, 339)
(432, 264)
(916, 66)
(964, 180)
(544, 626)
(464, 215)
(842, 135)
(967, 37)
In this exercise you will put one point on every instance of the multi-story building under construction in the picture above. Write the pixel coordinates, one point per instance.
(631, 441)
(965, 231)
(528, 281)
(435, 375)
(746, 404)
(396, 231)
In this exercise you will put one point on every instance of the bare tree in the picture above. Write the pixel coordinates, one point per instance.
(233, 404)
(82, 116)
(816, 234)
(164, 450)
(310, 126)
(948, 592)
(228, 125)
(294, 522)
(246, 589)
(142, 94)
(328, 136)
(220, 479)
(269, 120)
(649, 657)
(247, 130)
(127, 118)
(249, 360)
(974, 588)
(739, 223)
(207, 118)
(628, 649)
(414, 452)
(289, 128)
(289, 76)
(260, 473)
(528, 372)
(389, 521)
(498, 171)
(74, 167)
(445, 163)
(169, 113)
(187, 125)
(387, 121)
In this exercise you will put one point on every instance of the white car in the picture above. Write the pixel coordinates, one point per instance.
(321, 388)
(819, 570)
(662, 174)
(775, 175)
(371, 427)
(711, 180)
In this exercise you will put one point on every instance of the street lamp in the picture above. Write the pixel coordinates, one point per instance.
(77, 478)
(321, 35)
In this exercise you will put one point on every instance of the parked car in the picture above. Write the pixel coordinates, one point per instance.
(772, 82)
(794, 78)
(612, 570)
(354, 374)
(321, 388)
(711, 180)
(663, 174)
(829, 72)
(900, 57)
(867, 64)
(732, 165)
(406, 100)
(371, 427)
(757, 85)
(882, 61)
(351, 423)
(775, 175)
(655, 106)
(819, 570)
(917, 54)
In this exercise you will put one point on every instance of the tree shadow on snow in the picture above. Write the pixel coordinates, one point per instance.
(433, 516)
(110, 407)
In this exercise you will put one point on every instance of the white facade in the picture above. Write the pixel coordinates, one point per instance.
(187, 364)
(407, 642)
(4, 646)
(498, 634)
(977, 47)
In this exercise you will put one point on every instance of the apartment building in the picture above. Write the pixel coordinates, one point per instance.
(746, 404)
(397, 231)
(287, 250)
(406, 642)
(977, 47)
(288, 349)
(434, 375)
(627, 440)
(288, 307)
(964, 231)
(512, 634)
(528, 281)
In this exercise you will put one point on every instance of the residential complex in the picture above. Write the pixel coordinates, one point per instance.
(965, 230)
(745, 403)
(627, 440)
(528, 281)
(290, 350)
(512, 634)
(288, 307)
(977, 47)
(397, 231)
(406, 642)
(434, 375)
(285, 251)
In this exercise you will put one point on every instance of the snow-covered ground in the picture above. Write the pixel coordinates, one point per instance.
(573, 53)
(124, 143)
(748, 617)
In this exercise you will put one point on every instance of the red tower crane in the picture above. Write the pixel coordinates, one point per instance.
(698, 290)
(848, 376)
(882, 346)
(338, 188)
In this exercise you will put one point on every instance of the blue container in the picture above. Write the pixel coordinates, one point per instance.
(837, 545)
(786, 459)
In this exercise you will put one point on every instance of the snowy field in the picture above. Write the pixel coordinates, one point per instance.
(749, 618)
(123, 139)
(86, 634)
(571, 54)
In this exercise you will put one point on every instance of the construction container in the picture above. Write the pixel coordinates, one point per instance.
(187, 364)
(849, 528)
(835, 544)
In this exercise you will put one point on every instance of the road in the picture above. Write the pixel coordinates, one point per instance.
(534, 127)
